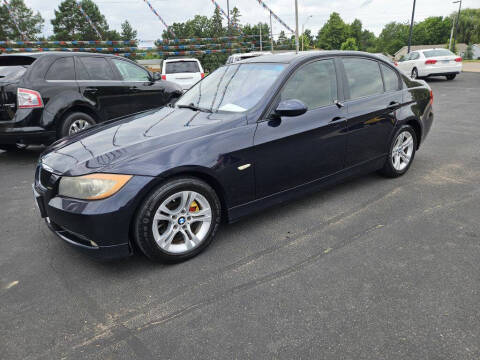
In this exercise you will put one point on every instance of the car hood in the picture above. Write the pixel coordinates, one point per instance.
(107, 146)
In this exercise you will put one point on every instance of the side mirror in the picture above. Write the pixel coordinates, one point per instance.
(156, 76)
(291, 107)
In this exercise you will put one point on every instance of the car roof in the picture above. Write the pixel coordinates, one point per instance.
(292, 57)
(180, 59)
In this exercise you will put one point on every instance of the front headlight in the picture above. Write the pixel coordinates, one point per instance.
(93, 186)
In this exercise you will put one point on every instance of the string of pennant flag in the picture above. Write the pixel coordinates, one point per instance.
(160, 18)
(226, 15)
(183, 53)
(275, 16)
(129, 49)
(88, 19)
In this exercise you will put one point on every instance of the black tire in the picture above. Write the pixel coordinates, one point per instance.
(13, 147)
(451, 76)
(69, 119)
(143, 233)
(414, 74)
(388, 169)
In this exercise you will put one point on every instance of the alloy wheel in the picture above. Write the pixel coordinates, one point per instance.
(182, 222)
(414, 74)
(402, 151)
(78, 125)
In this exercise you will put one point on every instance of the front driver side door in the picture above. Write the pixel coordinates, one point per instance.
(291, 151)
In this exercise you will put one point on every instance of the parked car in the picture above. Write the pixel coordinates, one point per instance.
(185, 72)
(239, 57)
(431, 62)
(249, 136)
(46, 96)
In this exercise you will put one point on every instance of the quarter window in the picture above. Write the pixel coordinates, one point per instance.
(131, 72)
(61, 69)
(363, 77)
(95, 68)
(315, 84)
(390, 78)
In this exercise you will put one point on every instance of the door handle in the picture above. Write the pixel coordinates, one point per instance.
(393, 105)
(339, 104)
(92, 90)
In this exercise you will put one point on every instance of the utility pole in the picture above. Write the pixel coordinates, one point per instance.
(228, 17)
(271, 31)
(451, 34)
(297, 45)
(261, 43)
(411, 27)
(456, 24)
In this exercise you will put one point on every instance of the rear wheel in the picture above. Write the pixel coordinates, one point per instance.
(451, 76)
(402, 152)
(414, 74)
(75, 122)
(178, 220)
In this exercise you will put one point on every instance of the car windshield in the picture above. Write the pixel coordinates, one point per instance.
(181, 67)
(438, 52)
(233, 88)
(12, 72)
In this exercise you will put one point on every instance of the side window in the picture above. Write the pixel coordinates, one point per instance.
(131, 72)
(390, 78)
(96, 68)
(315, 84)
(61, 69)
(414, 56)
(363, 77)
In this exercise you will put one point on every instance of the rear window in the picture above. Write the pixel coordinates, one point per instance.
(12, 72)
(181, 67)
(438, 52)
(61, 69)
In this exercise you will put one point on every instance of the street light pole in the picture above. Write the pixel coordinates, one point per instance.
(456, 23)
(296, 27)
(271, 31)
(261, 40)
(228, 17)
(411, 26)
(303, 28)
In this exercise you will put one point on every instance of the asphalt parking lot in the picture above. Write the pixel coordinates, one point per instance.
(369, 269)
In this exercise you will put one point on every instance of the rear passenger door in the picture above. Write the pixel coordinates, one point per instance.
(102, 88)
(144, 92)
(60, 85)
(372, 90)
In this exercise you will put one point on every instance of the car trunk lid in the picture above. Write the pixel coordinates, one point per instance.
(12, 70)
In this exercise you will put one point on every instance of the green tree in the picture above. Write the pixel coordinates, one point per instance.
(332, 35)
(355, 31)
(30, 23)
(235, 21)
(217, 28)
(128, 33)
(468, 30)
(392, 38)
(468, 53)
(349, 44)
(368, 41)
(70, 24)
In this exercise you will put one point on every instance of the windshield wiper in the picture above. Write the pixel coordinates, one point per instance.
(194, 108)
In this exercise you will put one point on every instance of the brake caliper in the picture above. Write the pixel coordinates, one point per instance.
(194, 207)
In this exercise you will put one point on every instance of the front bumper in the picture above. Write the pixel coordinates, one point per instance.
(100, 228)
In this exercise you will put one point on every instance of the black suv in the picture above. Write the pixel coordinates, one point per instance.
(46, 96)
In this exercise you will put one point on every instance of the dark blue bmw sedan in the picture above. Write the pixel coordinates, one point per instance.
(250, 135)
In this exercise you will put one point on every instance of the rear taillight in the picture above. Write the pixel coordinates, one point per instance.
(164, 77)
(430, 62)
(202, 75)
(459, 59)
(431, 97)
(395, 63)
(28, 99)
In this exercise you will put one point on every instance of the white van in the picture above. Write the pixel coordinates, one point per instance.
(185, 72)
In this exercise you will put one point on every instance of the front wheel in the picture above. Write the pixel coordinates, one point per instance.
(402, 152)
(451, 76)
(178, 220)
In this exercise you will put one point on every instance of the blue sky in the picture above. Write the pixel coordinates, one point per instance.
(373, 13)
